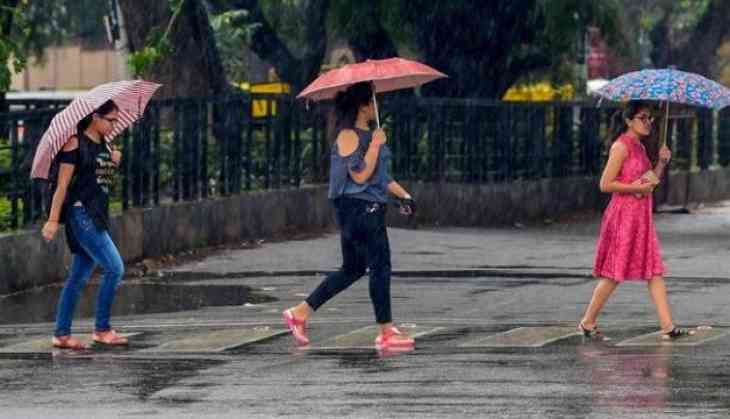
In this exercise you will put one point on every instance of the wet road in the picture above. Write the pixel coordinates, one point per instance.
(441, 378)
(523, 279)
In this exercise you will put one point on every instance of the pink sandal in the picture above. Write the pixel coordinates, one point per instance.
(68, 342)
(297, 327)
(110, 337)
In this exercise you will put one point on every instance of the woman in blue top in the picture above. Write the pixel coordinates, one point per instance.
(359, 187)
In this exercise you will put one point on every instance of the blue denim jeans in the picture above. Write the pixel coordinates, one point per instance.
(99, 250)
(364, 241)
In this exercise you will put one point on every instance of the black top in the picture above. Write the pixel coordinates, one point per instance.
(90, 185)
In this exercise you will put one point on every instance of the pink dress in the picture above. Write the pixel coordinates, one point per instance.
(628, 247)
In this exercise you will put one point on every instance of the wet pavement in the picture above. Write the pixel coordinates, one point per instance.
(494, 310)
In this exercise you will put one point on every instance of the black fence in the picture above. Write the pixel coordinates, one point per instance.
(188, 149)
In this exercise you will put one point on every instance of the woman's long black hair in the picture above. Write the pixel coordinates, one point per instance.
(106, 108)
(629, 111)
(349, 102)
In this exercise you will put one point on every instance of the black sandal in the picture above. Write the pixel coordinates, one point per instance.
(591, 333)
(677, 333)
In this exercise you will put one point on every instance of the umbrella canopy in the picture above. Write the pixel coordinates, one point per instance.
(130, 96)
(666, 85)
(387, 75)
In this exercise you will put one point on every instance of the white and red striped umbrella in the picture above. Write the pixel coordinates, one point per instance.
(130, 96)
(387, 75)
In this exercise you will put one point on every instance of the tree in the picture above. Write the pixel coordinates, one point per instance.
(689, 33)
(295, 66)
(366, 26)
(173, 43)
(490, 46)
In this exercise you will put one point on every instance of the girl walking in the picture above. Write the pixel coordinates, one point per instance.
(628, 247)
(86, 165)
(359, 187)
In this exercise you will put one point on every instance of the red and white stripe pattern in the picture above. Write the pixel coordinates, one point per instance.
(130, 96)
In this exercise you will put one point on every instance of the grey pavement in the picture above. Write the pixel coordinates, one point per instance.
(496, 306)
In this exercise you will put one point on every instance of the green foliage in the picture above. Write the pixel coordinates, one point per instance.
(230, 34)
(157, 45)
(11, 50)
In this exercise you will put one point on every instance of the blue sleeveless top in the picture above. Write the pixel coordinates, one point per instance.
(374, 189)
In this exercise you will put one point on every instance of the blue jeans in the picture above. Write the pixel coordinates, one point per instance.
(99, 249)
(364, 241)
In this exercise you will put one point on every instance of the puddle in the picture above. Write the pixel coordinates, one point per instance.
(132, 298)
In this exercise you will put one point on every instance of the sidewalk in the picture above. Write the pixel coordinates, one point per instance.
(694, 246)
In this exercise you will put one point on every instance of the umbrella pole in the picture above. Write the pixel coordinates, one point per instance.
(375, 104)
(666, 126)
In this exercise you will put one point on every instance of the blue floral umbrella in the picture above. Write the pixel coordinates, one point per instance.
(666, 85)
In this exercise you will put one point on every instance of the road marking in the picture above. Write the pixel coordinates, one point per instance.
(364, 338)
(531, 337)
(44, 345)
(217, 341)
(702, 335)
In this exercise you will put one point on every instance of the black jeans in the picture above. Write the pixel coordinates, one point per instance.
(364, 241)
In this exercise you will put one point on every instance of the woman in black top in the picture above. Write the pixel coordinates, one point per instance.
(81, 200)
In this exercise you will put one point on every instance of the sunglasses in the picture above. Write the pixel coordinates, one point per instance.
(646, 119)
(109, 120)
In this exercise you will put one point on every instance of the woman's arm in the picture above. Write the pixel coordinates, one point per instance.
(396, 189)
(664, 156)
(609, 184)
(65, 174)
(347, 143)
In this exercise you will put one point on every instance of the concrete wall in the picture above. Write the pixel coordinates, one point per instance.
(500, 204)
(26, 261)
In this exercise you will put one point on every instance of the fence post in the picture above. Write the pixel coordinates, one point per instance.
(704, 138)
(723, 137)
(537, 137)
(589, 140)
(563, 141)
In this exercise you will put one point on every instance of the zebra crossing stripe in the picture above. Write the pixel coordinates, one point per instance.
(364, 338)
(43, 345)
(701, 335)
(529, 337)
(217, 341)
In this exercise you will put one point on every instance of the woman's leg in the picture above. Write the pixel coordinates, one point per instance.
(378, 256)
(353, 266)
(81, 268)
(601, 293)
(100, 247)
(658, 293)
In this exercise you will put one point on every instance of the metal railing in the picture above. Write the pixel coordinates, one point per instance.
(194, 148)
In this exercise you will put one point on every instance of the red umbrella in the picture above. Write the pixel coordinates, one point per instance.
(386, 75)
(130, 96)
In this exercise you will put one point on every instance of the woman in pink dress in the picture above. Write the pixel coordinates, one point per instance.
(628, 248)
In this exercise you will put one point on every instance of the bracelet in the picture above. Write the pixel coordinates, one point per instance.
(407, 196)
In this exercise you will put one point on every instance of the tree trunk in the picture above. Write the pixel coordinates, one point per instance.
(268, 46)
(699, 52)
(6, 26)
(194, 67)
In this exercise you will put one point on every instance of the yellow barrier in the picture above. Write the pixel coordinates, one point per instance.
(261, 108)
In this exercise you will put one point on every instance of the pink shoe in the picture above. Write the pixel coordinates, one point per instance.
(297, 327)
(392, 338)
